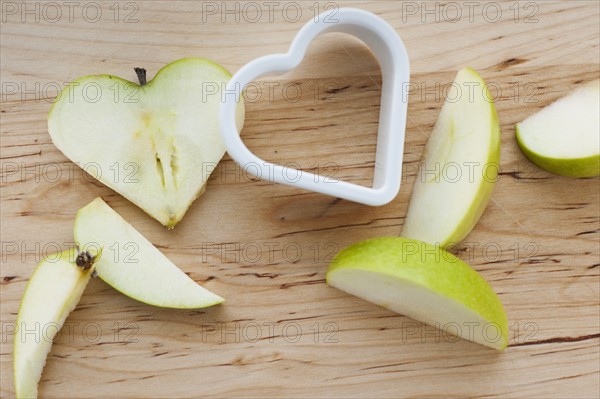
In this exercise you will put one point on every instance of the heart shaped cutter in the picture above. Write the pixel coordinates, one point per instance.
(393, 60)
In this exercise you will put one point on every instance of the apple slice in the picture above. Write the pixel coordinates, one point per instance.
(132, 265)
(564, 137)
(459, 167)
(425, 283)
(52, 293)
(155, 143)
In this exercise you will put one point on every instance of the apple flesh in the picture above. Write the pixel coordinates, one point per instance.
(156, 144)
(138, 270)
(459, 167)
(564, 137)
(423, 282)
(52, 293)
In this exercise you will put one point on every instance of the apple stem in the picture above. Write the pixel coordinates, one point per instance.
(141, 74)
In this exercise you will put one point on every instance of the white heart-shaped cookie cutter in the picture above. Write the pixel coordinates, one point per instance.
(393, 60)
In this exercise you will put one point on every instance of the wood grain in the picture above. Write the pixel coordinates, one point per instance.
(264, 247)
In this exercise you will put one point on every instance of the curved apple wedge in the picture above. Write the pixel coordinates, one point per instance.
(425, 283)
(564, 137)
(138, 270)
(460, 165)
(52, 293)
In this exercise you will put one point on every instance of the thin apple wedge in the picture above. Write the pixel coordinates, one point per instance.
(52, 293)
(155, 143)
(564, 137)
(459, 167)
(425, 283)
(143, 272)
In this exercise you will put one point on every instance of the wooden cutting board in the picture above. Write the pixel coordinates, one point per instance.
(282, 331)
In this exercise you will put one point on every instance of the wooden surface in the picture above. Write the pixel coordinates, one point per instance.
(265, 247)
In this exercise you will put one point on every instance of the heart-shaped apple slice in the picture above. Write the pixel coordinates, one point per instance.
(156, 143)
